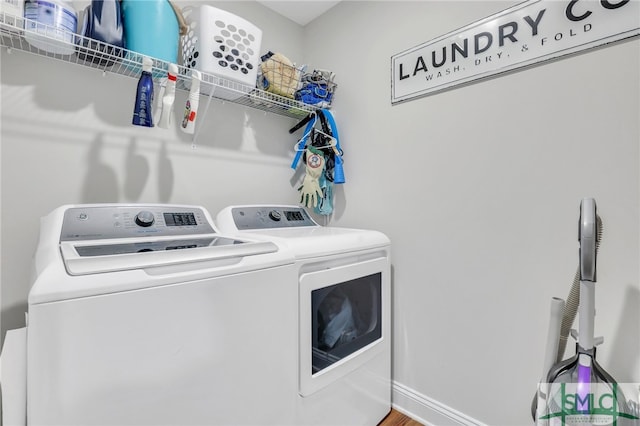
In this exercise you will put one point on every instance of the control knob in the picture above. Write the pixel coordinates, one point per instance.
(275, 215)
(145, 218)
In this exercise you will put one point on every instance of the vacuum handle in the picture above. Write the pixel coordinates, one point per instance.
(586, 314)
(587, 235)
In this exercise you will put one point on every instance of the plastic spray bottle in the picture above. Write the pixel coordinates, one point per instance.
(162, 84)
(169, 97)
(144, 96)
(191, 107)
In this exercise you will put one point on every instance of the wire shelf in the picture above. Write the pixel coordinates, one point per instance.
(69, 47)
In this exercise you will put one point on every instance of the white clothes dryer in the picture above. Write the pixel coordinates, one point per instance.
(343, 302)
(146, 315)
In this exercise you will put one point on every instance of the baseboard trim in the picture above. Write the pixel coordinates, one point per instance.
(427, 410)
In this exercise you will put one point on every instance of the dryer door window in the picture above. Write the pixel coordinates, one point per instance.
(345, 318)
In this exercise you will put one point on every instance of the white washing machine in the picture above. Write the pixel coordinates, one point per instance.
(343, 289)
(146, 315)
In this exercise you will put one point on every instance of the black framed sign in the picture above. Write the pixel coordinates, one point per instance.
(526, 34)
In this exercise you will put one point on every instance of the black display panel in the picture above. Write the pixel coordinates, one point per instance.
(293, 215)
(179, 219)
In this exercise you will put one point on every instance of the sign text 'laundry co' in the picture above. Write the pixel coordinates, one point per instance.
(531, 32)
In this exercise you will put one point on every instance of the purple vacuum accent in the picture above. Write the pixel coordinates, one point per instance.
(584, 388)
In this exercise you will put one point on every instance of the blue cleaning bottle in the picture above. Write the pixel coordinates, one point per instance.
(144, 96)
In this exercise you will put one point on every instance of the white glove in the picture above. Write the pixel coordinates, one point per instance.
(310, 192)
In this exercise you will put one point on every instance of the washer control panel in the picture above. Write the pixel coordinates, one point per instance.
(106, 222)
(268, 217)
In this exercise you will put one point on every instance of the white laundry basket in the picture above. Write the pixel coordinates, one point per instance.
(223, 45)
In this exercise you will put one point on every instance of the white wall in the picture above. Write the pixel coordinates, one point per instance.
(479, 190)
(67, 138)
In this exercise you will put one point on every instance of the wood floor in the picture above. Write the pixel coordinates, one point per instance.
(396, 418)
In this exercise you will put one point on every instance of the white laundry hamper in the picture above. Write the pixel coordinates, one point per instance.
(222, 45)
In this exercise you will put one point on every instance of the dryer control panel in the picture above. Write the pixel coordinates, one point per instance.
(107, 222)
(269, 217)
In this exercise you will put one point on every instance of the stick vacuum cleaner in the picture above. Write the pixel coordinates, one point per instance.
(578, 390)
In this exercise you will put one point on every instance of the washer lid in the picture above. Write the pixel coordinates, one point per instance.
(100, 256)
